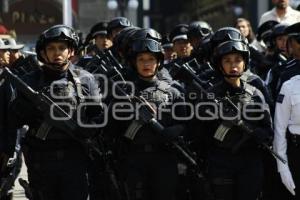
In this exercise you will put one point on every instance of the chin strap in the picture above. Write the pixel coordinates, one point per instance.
(232, 76)
(57, 67)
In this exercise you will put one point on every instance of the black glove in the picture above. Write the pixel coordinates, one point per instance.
(262, 135)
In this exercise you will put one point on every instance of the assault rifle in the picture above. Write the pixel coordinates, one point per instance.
(50, 111)
(191, 78)
(146, 111)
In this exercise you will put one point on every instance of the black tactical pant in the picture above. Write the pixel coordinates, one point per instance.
(235, 176)
(57, 174)
(150, 175)
(273, 189)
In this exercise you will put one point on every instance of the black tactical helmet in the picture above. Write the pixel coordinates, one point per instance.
(117, 22)
(143, 45)
(199, 29)
(225, 34)
(56, 33)
(264, 32)
(146, 45)
(231, 46)
(123, 39)
(150, 37)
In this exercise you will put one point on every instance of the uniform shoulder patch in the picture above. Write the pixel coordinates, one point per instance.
(280, 98)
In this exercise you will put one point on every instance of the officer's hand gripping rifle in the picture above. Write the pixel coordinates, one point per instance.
(146, 116)
(192, 78)
(50, 111)
(146, 111)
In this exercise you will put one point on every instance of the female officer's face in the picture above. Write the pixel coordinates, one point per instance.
(58, 53)
(233, 64)
(146, 64)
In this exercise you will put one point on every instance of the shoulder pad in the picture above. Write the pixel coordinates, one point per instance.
(249, 89)
(163, 86)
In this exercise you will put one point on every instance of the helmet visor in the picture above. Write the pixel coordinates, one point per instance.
(60, 31)
(147, 34)
(146, 45)
(204, 32)
(231, 34)
(230, 47)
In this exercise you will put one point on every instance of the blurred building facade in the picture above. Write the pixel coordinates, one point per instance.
(29, 17)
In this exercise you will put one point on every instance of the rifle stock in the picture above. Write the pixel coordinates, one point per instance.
(197, 83)
(47, 107)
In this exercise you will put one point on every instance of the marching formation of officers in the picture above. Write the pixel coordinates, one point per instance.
(129, 114)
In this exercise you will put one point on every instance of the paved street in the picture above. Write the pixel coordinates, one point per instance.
(19, 192)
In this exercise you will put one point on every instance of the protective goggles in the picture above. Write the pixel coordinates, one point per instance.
(231, 46)
(146, 45)
(203, 32)
(148, 33)
(231, 34)
(60, 31)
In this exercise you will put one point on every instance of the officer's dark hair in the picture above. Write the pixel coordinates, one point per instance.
(117, 22)
(199, 29)
(56, 33)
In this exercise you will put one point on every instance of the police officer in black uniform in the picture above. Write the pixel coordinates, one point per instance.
(280, 57)
(96, 41)
(181, 46)
(291, 68)
(197, 31)
(262, 64)
(56, 162)
(147, 165)
(234, 160)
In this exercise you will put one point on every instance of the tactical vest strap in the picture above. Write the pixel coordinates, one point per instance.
(77, 83)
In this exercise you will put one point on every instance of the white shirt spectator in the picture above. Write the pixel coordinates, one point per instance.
(287, 116)
(291, 16)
